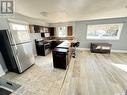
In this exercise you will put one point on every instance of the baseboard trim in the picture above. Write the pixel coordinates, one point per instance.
(119, 51)
(83, 49)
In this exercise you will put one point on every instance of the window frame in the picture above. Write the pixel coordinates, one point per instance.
(58, 32)
(120, 25)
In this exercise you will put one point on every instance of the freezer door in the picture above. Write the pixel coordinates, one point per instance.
(25, 56)
(20, 36)
(20, 32)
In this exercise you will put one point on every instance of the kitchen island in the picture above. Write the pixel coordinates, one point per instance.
(62, 55)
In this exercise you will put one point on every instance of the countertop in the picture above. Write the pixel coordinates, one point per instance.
(65, 44)
(60, 50)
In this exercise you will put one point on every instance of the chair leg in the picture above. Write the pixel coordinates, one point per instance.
(74, 52)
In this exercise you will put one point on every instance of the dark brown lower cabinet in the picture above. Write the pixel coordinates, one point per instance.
(60, 58)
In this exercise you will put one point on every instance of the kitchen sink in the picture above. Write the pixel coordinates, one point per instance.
(4, 91)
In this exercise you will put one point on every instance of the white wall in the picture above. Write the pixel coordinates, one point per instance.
(80, 32)
(30, 20)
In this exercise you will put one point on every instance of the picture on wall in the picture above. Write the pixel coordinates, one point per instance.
(104, 31)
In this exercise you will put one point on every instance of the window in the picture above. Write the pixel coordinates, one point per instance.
(104, 31)
(61, 31)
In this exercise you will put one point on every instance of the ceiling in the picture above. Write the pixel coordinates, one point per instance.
(71, 10)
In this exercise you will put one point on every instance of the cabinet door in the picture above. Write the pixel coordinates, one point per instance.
(37, 29)
(41, 29)
(51, 30)
(31, 28)
(70, 30)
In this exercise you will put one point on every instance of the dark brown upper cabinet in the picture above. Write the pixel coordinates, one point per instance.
(31, 28)
(51, 31)
(69, 30)
(38, 29)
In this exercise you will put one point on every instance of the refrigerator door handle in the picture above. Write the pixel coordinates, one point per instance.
(9, 36)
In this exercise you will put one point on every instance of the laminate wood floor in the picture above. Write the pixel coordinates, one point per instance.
(94, 74)
(88, 74)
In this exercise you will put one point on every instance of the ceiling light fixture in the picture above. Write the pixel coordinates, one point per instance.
(44, 14)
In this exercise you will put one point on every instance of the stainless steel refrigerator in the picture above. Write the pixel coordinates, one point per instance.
(17, 51)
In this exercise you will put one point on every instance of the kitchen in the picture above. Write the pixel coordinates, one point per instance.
(41, 44)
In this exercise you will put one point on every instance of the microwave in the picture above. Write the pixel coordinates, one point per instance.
(46, 34)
